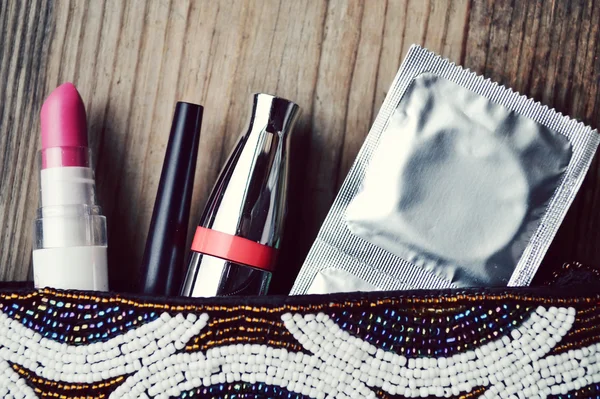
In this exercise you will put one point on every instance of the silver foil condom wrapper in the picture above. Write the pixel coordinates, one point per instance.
(460, 183)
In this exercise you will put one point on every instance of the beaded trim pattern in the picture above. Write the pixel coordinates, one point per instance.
(464, 345)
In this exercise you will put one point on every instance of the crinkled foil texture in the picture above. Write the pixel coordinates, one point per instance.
(460, 183)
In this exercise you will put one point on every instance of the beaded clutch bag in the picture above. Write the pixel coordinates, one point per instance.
(501, 343)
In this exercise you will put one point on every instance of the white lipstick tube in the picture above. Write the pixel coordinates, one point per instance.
(70, 243)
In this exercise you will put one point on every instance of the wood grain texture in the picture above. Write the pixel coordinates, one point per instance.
(133, 60)
(25, 30)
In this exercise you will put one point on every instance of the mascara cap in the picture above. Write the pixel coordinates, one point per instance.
(162, 265)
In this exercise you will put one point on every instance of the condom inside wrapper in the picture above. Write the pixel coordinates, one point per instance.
(460, 183)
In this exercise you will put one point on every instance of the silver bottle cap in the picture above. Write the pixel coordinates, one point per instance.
(248, 200)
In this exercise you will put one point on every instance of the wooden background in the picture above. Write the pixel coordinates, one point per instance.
(132, 60)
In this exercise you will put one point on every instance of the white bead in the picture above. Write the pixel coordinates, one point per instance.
(453, 380)
(515, 333)
(411, 363)
(485, 350)
(545, 373)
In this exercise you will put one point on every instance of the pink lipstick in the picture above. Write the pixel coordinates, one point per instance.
(63, 118)
(70, 231)
(64, 125)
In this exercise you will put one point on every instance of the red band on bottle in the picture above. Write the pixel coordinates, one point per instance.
(234, 248)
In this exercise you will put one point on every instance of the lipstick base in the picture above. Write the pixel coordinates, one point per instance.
(78, 268)
(210, 276)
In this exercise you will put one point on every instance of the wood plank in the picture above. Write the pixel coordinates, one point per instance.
(337, 62)
(133, 60)
(362, 87)
(24, 30)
